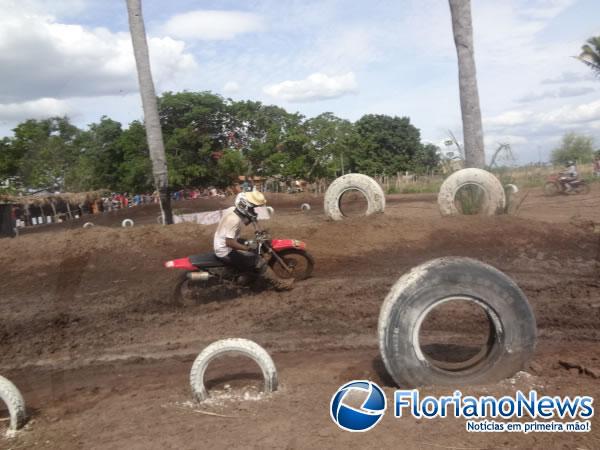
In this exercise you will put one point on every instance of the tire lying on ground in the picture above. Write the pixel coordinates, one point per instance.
(353, 181)
(234, 346)
(494, 199)
(88, 225)
(512, 327)
(305, 207)
(10, 395)
(127, 223)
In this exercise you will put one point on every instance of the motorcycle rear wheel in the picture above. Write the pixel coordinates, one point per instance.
(300, 261)
(583, 189)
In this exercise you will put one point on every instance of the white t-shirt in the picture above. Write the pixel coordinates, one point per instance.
(229, 227)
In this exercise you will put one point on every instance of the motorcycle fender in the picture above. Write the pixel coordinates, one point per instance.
(284, 244)
(181, 263)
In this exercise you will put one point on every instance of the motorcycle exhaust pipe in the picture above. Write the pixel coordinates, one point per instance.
(198, 276)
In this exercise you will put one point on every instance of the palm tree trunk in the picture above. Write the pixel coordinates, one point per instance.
(462, 29)
(150, 106)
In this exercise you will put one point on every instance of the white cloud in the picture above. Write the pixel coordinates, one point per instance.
(563, 92)
(317, 86)
(35, 109)
(211, 25)
(570, 77)
(58, 60)
(231, 87)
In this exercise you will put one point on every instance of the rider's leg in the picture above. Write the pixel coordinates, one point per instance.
(242, 261)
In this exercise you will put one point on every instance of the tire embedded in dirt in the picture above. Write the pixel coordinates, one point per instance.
(301, 262)
(88, 225)
(127, 223)
(357, 182)
(512, 336)
(493, 201)
(13, 399)
(244, 347)
(305, 207)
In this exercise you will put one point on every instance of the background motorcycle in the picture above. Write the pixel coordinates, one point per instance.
(204, 272)
(554, 186)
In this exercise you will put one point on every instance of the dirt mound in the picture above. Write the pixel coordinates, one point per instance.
(90, 299)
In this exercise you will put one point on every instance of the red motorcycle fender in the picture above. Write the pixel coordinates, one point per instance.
(181, 263)
(284, 244)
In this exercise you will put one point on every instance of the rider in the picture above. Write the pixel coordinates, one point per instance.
(569, 175)
(235, 252)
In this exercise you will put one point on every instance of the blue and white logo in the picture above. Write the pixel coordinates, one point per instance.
(365, 417)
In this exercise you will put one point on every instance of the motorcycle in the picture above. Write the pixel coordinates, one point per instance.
(204, 272)
(555, 186)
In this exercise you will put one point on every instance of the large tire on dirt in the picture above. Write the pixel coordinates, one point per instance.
(300, 261)
(13, 399)
(127, 223)
(353, 181)
(512, 336)
(237, 346)
(494, 199)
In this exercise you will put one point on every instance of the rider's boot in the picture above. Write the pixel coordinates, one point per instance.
(280, 284)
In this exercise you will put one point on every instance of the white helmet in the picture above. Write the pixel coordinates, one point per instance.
(245, 202)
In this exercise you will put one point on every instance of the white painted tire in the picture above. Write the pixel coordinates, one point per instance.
(88, 225)
(305, 207)
(494, 197)
(13, 399)
(238, 346)
(512, 334)
(353, 181)
(271, 211)
(512, 188)
(127, 223)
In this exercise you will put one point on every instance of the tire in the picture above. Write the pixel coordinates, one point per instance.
(302, 262)
(88, 225)
(512, 334)
(305, 207)
(551, 189)
(127, 223)
(238, 346)
(494, 200)
(353, 181)
(184, 293)
(160, 220)
(13, 399)
(512, 188)
(583, 189)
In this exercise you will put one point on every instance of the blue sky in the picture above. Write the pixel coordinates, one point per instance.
(351, 58)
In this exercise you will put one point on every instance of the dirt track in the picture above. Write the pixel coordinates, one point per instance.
(91, 335)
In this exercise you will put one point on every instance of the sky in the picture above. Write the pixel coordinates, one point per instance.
(348, 57)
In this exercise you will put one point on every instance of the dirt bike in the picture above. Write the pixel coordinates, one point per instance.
(204, 272)
(554, 186)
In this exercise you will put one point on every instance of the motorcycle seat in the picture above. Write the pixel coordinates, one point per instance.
(206, 260)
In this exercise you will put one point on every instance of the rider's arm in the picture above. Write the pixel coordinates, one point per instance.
(234, 244)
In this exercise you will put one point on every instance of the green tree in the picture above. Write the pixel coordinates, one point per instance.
(47, 151)
(590, 54)
(574, 147)
(385, 145)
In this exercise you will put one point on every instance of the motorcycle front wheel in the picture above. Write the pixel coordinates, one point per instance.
(300, 262)
(551, 189)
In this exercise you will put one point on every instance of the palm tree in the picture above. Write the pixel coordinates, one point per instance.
(590, 54)
(150, 106)
(462, 29)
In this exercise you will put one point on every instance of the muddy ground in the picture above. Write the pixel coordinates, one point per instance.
(91, 334)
